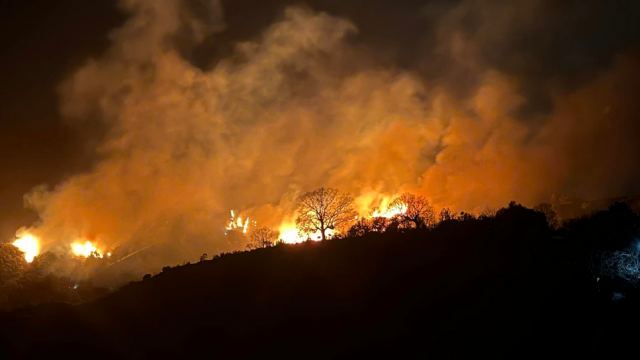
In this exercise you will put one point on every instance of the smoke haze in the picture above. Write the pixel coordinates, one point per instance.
(475, 106)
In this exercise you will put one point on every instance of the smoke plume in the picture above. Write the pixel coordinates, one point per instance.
(305, 104)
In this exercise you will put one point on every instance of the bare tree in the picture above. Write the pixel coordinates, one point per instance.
(262, 237)
(416, 211)
(324, 209)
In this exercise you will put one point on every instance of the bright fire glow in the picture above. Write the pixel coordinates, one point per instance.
(85, 249)
(389, 212)
(29, 244)
(381, 204)
(237, 223)
(370, 205)
(289, 234)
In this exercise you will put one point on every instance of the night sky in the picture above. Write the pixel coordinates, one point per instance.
(42, 42)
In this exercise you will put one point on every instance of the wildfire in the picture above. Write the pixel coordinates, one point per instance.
(85, 249)
(289, 234)
(370, 205)
(389, 212)
(237, 223)
(29, 244)
(381, 204)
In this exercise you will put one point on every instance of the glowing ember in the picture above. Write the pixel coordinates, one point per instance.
(29, 244)
(85, 249)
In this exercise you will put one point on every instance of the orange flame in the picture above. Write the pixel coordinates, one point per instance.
(29, 244)
(236, 223)
(85, 249)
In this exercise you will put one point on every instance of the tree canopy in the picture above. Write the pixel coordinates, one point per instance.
(324, 209)
(262, 237)
(417, 211)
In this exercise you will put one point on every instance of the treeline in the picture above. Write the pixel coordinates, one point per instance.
(503, 283)
(604, 247)
(331, 213)
(601, 248)
(23, 284)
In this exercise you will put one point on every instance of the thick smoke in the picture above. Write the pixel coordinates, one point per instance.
(303, 105)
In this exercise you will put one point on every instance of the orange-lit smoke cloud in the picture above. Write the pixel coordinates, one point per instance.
(302, 107)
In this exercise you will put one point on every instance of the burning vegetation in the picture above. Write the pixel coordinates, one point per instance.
(339, 176)
(307, 103)
(321, 214)
(28, 244)
(326, 213)
(487, 280)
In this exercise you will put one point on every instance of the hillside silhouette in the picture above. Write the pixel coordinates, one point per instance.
(507, 284)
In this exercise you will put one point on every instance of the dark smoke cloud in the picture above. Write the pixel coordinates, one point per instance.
(544, 43)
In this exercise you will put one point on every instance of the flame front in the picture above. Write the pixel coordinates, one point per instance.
(370, 205)
(289, 234)
(376, 205)
(29, 244)
(236, 222)
(388, 210)
(85, 249)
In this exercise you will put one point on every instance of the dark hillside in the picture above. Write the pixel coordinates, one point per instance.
(500, 285)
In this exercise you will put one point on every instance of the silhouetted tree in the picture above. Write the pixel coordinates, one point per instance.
(204, 257)
(549, 213)
(262, 237)
(324, 209)
(360, 228)
(446, 214)
(366, 226)
(418, 213)
(465, 216)
(379, 224)
(488, 213)
(393, 224)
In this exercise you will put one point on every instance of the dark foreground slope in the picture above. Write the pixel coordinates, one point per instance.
(504, 285)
